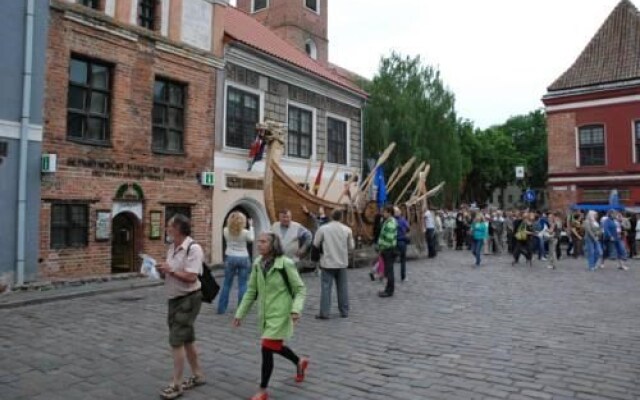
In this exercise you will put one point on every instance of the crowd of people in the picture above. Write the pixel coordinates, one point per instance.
(272, 279)
(549, 236)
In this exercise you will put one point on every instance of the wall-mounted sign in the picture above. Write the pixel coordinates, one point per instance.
(103, 225)
(49, 163)
(519, 172)
(155, 225)
(208, 178)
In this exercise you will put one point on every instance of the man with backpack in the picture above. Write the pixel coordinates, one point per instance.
(180, 273)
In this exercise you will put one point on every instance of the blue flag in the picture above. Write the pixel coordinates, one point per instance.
(381, 195)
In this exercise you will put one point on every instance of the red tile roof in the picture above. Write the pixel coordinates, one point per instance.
(612, 55)
(245, 29)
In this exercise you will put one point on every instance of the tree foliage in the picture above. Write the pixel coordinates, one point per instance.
(410, 105)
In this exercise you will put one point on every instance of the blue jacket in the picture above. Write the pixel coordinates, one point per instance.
(610, 229)
(403, 228)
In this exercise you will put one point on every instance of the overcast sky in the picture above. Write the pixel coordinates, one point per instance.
(497, 56)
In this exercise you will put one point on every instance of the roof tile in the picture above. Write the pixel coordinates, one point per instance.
(612, 55)
(247, 30)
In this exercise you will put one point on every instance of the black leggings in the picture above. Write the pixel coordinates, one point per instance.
(267, 362)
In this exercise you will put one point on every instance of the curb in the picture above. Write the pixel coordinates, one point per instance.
(87, 293)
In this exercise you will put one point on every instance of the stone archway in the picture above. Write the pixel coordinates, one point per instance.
(252, 209)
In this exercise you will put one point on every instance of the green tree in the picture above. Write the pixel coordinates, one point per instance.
(410, 105)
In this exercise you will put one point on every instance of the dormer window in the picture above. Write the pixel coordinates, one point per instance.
(259, 5)
(311, 49)
(313, 5)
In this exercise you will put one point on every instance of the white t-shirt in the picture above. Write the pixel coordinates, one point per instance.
(237, 245)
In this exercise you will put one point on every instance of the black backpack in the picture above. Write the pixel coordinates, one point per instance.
(208, 284)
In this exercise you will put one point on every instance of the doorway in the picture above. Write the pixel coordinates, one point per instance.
(123, 248)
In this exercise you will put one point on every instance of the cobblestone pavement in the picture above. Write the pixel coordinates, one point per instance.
(450, 332)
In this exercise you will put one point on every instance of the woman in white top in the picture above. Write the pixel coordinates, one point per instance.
(236, 257)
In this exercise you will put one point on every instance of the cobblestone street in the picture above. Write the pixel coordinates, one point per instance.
(450, 332)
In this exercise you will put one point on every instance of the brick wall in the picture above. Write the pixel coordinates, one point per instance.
(165, 179)
(562, 142)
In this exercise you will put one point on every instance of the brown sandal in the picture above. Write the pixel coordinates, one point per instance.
(171, 392)
(192, 382)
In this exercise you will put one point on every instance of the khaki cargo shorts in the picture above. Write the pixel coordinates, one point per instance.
(182, 314)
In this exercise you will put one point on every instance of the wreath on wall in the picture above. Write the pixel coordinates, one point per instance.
(130, 191)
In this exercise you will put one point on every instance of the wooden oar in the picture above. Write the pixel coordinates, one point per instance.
(381, 160)
(405, 168)
(413, 178)
(348, 185)
(333, 177)
(306, 178)
(427, 195)
(393, 176)
(420, 187)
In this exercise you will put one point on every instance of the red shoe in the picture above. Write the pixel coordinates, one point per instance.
(261, 396)
(302, 369)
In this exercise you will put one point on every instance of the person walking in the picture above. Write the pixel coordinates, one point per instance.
(497, 224)
(276, 286)
(402, 241)
(555, 230)
(460, 231)
(430, 232)
(524, 236)
(295, 238)
(592, 235)
(480, 232)
(613, 240)
(336, 241)
(387, 243)
(180, 273)
(236, 262)
(577, 235)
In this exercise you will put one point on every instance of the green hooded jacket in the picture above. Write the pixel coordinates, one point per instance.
(275, 304)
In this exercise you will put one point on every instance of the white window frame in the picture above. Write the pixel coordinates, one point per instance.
(248, 89)
(348, 138)
(314, 48)
(577, 135)
(304, 4)
(314, 131)
(253, 6)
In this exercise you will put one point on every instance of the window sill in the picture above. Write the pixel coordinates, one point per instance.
(90, 142)
(168, 153)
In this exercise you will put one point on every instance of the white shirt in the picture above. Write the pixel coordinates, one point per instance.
(237, 245)
(429, 221)
(178, 260)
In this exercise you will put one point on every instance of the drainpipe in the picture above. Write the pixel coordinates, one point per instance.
(24, 141)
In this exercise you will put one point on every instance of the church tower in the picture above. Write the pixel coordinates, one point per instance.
(302, 23)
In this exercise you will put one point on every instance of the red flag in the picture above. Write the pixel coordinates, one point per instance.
(316, 185)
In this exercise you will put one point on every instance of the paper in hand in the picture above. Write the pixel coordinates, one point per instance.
(148, 267)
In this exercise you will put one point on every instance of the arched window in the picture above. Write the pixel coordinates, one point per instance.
(311, 49)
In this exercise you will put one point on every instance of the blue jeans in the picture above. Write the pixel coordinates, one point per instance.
(233, 266)
(402, 253)
(477, 249)
(594, 252)
(617, 247)
(541, 251)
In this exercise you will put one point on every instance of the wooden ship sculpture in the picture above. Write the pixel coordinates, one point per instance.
(282, 192)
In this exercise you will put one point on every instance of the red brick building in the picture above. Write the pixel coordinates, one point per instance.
(593, 113)
(130, 109)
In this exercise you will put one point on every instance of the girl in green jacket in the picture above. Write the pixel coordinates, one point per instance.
(276, 286)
